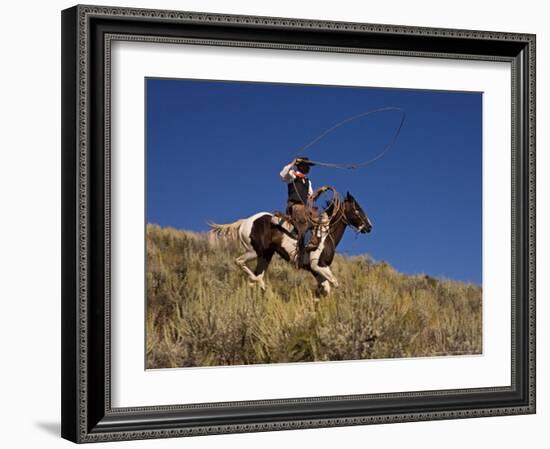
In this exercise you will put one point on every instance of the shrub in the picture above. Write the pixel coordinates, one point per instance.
(202, 312)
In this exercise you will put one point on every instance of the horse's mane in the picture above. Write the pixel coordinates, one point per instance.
(331, 204)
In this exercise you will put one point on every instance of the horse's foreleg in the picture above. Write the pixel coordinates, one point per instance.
(241, 263)
(323, 286)
(333, 279)
(325, 272)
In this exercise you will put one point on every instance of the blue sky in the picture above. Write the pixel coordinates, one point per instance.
(215, 149)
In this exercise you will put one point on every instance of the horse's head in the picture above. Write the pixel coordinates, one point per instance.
(355, 216)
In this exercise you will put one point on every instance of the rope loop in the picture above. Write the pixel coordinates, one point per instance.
(351, 119)
(311, 209)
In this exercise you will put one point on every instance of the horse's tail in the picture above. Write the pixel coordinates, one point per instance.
(230, 230)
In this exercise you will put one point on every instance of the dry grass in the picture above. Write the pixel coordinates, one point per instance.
(202, 312)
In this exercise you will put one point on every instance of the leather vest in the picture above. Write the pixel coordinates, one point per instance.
(298, 190)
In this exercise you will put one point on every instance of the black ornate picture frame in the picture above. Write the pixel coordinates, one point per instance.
(87, 34)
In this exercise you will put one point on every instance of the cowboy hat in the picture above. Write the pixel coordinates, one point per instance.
(304, 160)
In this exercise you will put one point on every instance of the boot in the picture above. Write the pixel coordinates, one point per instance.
(313, 243)
(300, 252)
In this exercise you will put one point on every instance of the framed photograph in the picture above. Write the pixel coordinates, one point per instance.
(276, 224)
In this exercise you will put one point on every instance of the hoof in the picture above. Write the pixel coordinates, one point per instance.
(258, 282)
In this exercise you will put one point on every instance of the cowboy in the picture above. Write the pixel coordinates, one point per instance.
(299, 191)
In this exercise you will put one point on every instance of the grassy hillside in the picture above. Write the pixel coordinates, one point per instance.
(202, 312)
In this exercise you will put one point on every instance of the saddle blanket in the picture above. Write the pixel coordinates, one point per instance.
(284, 222)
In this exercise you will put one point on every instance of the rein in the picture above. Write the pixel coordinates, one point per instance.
(335, 204)
(338, 212)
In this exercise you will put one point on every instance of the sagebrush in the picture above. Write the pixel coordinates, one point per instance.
(202, 312)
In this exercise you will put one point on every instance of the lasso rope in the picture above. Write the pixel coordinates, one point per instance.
(311, 210)
(351, 119)
(336, 202)
(338, 212)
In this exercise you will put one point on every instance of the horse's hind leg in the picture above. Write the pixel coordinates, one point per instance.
(261, 266)
(242, 260)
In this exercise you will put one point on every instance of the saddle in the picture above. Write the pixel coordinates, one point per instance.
(284, 222)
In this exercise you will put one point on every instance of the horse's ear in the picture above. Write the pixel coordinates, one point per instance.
(348, 196)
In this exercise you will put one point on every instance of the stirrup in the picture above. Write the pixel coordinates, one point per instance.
(311, 246)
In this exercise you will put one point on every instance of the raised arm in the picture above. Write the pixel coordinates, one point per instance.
(286, 173)
(315, 195)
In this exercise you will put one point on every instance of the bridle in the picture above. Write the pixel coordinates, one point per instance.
(338, 213)
(356, 229)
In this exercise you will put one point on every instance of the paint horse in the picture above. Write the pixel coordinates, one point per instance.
(264, 234)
